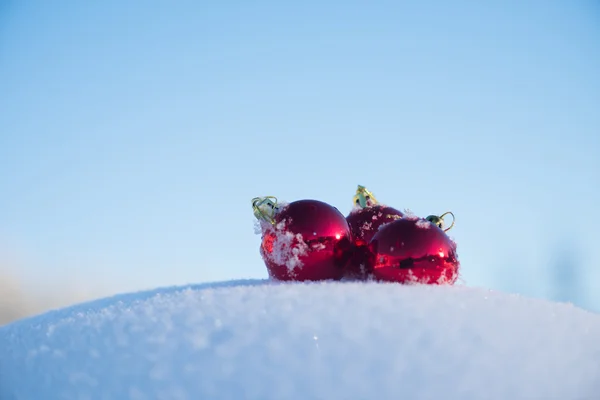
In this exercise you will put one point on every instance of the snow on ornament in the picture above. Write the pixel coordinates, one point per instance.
(414, 250)
(365, 219)
(305, 240)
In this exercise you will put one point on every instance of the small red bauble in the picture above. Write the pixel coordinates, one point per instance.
(364, 223)
(414, 250)
(309, 240)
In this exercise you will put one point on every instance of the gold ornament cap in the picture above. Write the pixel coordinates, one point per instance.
(363, 197)
(439, 220)
(265, 208)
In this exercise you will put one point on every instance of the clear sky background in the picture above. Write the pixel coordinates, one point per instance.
(133, 135)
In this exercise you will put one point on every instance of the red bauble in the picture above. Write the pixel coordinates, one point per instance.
(310, 240)
(364, 223)
(413, 250)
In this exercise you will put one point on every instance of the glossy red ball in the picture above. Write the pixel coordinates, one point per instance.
(309, 241)
(413, 250)
(364, 223)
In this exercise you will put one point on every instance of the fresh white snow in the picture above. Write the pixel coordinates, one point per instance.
(343, 340)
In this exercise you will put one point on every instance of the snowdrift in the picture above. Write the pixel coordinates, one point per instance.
(264, 340)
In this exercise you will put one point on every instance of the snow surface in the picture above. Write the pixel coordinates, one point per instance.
(343, 340)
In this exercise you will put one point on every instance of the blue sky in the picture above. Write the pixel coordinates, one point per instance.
(133, 136)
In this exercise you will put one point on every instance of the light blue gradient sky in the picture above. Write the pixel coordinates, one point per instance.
(134, 134)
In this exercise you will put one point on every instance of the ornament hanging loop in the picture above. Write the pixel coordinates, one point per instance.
(453, 219)
(439, 220)
(265, 208)
(363, 197)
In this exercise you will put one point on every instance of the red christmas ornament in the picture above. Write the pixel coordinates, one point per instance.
(414, 250)
(306, 240)
(364, 221)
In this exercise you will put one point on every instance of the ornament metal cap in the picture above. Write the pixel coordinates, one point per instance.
(364, 197)
(439, 220)
(265, 208)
